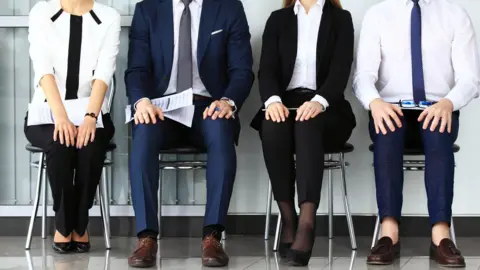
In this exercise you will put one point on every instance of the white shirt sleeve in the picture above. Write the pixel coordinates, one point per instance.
(322, 101)
(39, 25)
(466, 63)
(368, 61)
(271, 100)
(106, 63)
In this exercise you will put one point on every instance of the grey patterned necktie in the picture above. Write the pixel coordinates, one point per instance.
(185, 63)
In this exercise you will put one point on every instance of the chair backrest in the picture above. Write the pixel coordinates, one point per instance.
(111, 93)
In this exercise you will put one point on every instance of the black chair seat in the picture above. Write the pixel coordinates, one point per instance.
(416, 152)
(187, 150)
(111, 146)
(347, 148)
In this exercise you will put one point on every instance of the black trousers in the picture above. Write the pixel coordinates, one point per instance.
(307, 140)
(74, 173)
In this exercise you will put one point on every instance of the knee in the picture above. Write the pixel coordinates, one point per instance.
(271, 129)
(218, 132)
(437, 143)
(60, 151)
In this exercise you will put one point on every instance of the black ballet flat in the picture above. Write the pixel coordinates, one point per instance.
(298, 258)
(283, 249)
(80, 247)
(62, 248)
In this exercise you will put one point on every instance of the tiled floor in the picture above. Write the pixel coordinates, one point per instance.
(251, 253)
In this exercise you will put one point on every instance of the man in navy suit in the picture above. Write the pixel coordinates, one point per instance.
(177, 45)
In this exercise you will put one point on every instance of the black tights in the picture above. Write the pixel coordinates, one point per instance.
(298, 230)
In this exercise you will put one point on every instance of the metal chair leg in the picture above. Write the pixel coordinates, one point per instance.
(160, 184)
(330, 202)
(268, 211)
(44, 203)
(276, 243)
(452, 232)
(106, 198)
(224, 235)
(36, 202)
(103, 212)
(348, 215)
(376, 231)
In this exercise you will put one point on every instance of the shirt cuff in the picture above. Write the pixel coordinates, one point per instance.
(135, 105)
(271, 100)
(322, 101)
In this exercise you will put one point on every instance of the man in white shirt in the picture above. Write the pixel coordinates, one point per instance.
(417, 66)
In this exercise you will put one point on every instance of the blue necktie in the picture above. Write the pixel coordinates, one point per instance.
(416, 47)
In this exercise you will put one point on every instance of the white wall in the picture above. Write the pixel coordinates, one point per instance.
(251, 184)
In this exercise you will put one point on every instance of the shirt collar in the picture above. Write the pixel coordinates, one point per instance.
(199, 2)
(298, 5)
(410, 1)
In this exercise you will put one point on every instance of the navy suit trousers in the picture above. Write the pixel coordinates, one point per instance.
(217, 136)
(439, 166)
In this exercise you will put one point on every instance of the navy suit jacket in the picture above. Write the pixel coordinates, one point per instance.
(224, 60)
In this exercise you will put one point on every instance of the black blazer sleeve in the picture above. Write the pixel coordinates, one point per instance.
(341, 63)
(269, 71)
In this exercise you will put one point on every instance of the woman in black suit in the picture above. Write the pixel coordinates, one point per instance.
(306, 60)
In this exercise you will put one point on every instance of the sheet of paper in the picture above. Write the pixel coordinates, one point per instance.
(183, 115)
(41, 114)
(167, 103)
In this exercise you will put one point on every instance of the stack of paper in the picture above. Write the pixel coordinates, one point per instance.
(178, 107)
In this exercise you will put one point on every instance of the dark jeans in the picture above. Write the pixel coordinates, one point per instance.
(217, 136)
(439, 166)
(73, 173)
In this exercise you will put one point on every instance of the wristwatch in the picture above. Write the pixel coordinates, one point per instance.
(93, 115)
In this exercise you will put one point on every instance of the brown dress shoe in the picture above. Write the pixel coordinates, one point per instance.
(145, 254)
(213, 254)
(446, 254)
(384, 252)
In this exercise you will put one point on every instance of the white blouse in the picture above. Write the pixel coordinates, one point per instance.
(75, 49)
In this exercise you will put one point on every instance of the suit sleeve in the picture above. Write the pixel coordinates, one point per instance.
(239, 56)
(268, 73)
(138, 76)
(341, 64)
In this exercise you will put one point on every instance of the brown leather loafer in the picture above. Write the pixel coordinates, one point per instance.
(213, 254)
(145, 254)
(384, 252)
(446, 254)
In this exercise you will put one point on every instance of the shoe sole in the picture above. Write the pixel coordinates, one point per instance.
(213, 263)
(141, 265)
(448, 265)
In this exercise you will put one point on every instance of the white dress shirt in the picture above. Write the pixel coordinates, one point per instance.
(49, 37)
(305, 70)
(451, 64)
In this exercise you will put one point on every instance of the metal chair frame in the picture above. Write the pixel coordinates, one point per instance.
(415, 166)
(102, 192)
(330, 164)
(180, 165)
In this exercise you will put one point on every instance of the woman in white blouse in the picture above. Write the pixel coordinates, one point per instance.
(307, 53)
(73, 47)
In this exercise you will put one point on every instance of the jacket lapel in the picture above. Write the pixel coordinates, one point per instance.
(291, 44)
(165, 20)
(323, 34)
(208, 17)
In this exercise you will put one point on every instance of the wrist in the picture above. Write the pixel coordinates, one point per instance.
(91, 116)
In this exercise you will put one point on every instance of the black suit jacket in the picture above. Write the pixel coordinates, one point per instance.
(335, 48)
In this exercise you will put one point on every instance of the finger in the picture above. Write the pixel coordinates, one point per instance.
(449, 123)
(81, 135)
(66, 135)
(389, 122)
(135, 117)
(397, 109)
(299, 112)
(395, 118)
(223, 113)
(443, 124)
(316, 113)
(55, 134)
(427, 120)
(215, 114)
(152, 114)
(140, 118)
(267, 115)
(304, 114)
(381, 126)
(229, 115)
(73, 133)
(275, 115)
(435, 122)
(422, 115)
(310, 113)
(280, 113)
(160, 114)
(60, 134)
(211, 110)
(205, 113)
(92, 135)
(146, 117)
(286, 112)
(377, 129)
